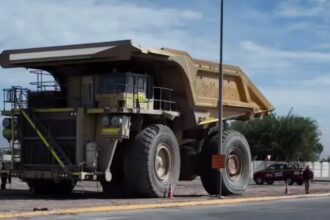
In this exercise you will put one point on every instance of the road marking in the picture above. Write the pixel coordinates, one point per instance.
(110, 218)
(172, 204)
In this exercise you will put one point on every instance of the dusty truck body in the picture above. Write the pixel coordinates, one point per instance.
(133, 118)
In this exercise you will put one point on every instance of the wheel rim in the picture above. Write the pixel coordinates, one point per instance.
(259, 180)
(234, 166)
(163, 163)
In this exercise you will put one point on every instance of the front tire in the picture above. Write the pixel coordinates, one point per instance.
(189, 156)
(116, 188)
(153, 162)
(289, 180)
(259, 181)
(235, 176)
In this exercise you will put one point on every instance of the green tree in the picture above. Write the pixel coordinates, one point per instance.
(289, 138)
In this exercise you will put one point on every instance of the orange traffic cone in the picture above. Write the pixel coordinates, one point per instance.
(170, 192)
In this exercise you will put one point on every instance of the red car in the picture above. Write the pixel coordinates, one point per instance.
(279, 172)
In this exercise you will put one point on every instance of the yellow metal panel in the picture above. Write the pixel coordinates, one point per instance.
(95, 111)
(55, 110)
(208, 121)
(111, 131)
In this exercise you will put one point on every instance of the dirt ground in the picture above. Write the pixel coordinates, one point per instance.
(18, 198)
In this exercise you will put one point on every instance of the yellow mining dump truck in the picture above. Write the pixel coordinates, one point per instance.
(133, 118)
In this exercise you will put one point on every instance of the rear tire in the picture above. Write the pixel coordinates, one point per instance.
(259, 181)
(116, 188)
(113, 189)
(189, 156)
(300, 182)
(289, 180)
(235, 176)
(65, 187)
(152, 163)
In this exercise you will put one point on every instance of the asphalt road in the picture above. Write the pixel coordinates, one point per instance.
(302, 209)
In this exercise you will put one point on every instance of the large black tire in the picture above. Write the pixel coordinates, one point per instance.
(289, 180)
(259, 181)
(300, 182)
(65, 187)
(189, 157)
(235, 176)
(50, 187)
(152, 163)
(40, 187)
(116, 187)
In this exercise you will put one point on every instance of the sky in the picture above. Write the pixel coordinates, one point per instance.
(282, 45)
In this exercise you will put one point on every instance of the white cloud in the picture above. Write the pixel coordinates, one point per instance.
(303, 8)
(289, 9)
(317, 82)
(33, 23)
(261, 59)
(274, 53)
(324, 46)
(299, 95)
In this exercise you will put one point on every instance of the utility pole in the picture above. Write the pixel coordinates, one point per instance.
(220, 105)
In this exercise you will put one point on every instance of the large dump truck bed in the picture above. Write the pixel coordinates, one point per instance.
(195, 81)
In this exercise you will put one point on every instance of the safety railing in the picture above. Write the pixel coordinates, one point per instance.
(7, 155)
(163, 99)
(15, 98)
(45, 81)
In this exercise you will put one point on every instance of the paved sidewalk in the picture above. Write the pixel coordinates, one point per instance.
(19, 199)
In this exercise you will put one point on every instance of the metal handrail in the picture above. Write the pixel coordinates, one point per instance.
(42, 85)
(49, 142)
(16, 96)
(164, 101)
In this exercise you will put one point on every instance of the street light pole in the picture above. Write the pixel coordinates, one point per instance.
(220, 102)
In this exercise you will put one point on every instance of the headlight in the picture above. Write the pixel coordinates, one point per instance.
(6, 123)
(105, 121)
(116, 121)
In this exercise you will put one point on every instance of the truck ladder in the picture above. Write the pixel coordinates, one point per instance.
(50, 143)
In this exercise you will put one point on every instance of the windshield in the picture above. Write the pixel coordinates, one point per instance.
(271, 167)
(111, 83)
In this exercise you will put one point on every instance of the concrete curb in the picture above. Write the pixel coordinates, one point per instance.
(155, 206)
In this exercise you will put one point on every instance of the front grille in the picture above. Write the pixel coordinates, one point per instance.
(34, 152)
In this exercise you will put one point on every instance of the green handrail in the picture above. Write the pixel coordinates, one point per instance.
(43, 139)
